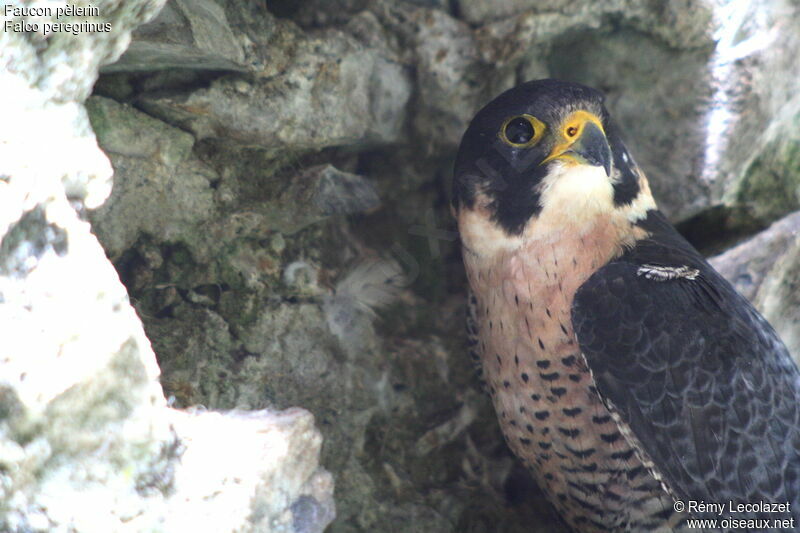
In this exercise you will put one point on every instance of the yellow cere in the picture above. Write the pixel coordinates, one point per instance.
(571, 130)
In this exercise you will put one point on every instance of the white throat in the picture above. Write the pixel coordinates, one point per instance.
(572, 198)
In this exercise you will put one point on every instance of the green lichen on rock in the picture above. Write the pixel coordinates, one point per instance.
(770, 184)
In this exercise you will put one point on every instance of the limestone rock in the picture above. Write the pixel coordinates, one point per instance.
(779, 300)
(63, 73)
(85, 383)
(272, 481)
(324, 191)
(87, 442)
(80, 430)
(770, 184)
(342, 193)
(765, 270)
(303, 91)
(747, 265)
(756, 162)
(188, 35)
(162, 177)
(682, 24)
(450, 77)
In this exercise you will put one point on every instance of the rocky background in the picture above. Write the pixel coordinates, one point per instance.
(279, 218)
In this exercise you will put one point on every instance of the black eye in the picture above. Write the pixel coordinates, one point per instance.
(519, 130)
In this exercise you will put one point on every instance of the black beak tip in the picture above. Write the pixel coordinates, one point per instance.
(593, 147)
(607, 163)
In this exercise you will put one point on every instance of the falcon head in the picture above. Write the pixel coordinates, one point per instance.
(546, 145)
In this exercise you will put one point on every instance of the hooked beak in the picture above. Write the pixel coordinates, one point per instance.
(589, 148)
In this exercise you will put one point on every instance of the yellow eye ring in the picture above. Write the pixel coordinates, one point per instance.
(526, 130)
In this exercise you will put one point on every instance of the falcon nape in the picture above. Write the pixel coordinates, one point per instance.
(626, 373)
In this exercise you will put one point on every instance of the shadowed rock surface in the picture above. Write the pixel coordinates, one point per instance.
(765, 270)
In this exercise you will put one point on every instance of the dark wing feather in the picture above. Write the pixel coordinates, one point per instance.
(702, 380)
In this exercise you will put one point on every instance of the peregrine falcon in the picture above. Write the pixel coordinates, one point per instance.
(626, 373)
